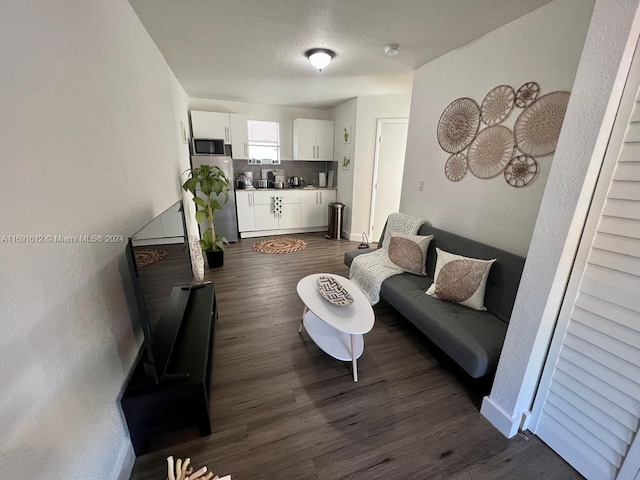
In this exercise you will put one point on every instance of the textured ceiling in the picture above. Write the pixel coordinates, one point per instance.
(253, 50)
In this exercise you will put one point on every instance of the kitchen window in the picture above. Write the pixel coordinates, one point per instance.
(264, 142)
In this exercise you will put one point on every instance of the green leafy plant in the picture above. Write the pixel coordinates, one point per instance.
(212, 182)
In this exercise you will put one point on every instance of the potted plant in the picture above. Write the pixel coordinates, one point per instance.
(212, 182)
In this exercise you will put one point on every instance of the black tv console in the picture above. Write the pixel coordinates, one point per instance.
(182, 399)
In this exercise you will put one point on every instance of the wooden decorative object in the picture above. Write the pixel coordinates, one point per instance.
(527, 94)
(497, 105)
(456, 167)
(538, 126)
(458, 125)
(490, 151)
(521, 171)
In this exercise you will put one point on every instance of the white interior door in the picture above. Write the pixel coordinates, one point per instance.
(588, 403)
(391, 143)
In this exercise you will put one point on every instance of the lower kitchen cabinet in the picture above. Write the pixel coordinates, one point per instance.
(246, 213)
(265, 218)
(302, 210)
(315, 207)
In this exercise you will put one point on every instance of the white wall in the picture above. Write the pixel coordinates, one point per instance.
(370, 109)
(608, 51)
(344, 115)
(270, 113)
(543, 46)
(89, 144)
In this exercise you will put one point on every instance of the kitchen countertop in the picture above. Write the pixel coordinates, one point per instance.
(282, 189)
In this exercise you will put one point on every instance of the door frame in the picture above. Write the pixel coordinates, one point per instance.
(630, 96)
(376, 158)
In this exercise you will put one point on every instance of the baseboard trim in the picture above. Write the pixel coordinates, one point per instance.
(124, 464)
(501, 420)
(284, 231)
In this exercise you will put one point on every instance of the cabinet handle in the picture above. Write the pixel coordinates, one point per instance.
(320, 197)
(314, 152)
(318, 154)
(246, 148)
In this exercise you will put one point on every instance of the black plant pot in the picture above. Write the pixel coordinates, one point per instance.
(215, 258)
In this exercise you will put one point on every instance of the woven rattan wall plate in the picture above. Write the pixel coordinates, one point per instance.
(521, 171)
(497, 105)
(458, 125)
(490, 151)
(527, 94)
(456, 167)
(538, 126)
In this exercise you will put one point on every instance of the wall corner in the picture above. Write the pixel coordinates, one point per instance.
(507, 425)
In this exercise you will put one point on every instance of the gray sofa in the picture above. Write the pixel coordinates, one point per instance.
(473, 339)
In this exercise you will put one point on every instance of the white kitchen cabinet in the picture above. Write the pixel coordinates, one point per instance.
(304, 139)
(239, 136)
(246, 211)
(211, 125)
(313, 139)
(314, 207)
(266, 218)
(324, 140)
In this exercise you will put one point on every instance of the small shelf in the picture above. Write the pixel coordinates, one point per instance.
(331, 341)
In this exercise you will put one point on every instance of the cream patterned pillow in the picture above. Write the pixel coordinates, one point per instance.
(460, 279)
(408, 252)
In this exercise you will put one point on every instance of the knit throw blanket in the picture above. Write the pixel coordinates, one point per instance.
(368, 271)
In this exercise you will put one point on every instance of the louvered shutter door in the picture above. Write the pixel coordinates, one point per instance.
(588, 404)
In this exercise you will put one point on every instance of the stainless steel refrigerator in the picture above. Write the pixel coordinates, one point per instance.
(225, 221)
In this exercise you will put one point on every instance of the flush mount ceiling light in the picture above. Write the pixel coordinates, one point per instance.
(391, 49)
(320, 57)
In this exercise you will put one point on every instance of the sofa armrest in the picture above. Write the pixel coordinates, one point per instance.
(349, 256)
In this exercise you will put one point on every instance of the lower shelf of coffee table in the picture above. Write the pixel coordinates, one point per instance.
(331, 341)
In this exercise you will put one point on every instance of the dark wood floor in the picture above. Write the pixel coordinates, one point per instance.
(282, 409)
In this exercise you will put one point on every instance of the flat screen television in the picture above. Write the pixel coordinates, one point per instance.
(160, 267)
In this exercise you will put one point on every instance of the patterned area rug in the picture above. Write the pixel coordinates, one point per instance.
(279, 245)
(147, 256)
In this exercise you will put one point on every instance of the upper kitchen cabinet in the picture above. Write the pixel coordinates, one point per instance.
(231, 127)
(239, 136)
(211, 125)
(312, 139)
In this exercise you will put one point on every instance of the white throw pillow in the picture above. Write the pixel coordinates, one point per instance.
(460, 279)
(408, 252)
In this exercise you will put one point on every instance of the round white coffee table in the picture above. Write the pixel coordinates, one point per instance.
(337, 330)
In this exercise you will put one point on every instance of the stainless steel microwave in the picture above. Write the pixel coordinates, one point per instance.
(208, 146)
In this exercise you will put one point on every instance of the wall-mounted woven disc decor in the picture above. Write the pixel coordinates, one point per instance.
(456, 167)
(538, 127)
(497, 105)
(490, 151)
(527, 94)
(487, 152)
(458, 125)
(521, 171)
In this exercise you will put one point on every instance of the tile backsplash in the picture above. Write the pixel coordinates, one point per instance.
(308, 171)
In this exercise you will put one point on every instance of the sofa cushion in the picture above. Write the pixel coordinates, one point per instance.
(504, 276)
(470, 337)
(460, 279)
(408, 252)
